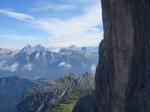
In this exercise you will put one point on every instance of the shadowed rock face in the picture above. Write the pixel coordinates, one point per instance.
(11, 91)
(123, 72)
(85, 104)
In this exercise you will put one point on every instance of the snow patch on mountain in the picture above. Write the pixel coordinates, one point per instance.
(28, 49)
(56, 50)
(37, 55)
(13, 67)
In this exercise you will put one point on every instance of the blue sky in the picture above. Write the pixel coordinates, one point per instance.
(52, 23)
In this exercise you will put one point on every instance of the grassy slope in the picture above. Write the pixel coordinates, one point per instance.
(65, 107)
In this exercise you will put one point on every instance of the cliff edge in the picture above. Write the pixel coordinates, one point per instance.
(123, 72)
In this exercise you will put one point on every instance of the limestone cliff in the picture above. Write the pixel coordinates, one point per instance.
(123, 72)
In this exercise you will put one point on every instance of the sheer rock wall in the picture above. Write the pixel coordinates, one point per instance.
(123, 72)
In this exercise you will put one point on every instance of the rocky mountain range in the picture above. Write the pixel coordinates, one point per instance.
(40, 62)
(43, 95)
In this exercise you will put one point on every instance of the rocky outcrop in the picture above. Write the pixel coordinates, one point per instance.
(123, 72)
(36, 103)
(59, 93)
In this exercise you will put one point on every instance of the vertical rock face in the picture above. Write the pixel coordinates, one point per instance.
(123, 72)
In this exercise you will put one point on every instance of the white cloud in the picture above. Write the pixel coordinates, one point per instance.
(14, 41)
(76, 28)
(55, 50)
(63, 7)
(41, 7)
(93, 68)
(83, 1)
(16, 15)
(66, 5)
(18, 37)
(64, 64)
(80, 42)
(11, 68)
(28, 66)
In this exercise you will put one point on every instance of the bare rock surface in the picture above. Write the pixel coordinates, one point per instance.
(123, 72)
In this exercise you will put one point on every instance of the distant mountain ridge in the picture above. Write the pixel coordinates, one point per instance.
(5, 54)
(40, 62)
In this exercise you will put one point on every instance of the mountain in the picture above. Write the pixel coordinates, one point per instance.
(11, 92)
(57, 94)
(43, 95)
(6, 54)
(40, 62)
(123, 72)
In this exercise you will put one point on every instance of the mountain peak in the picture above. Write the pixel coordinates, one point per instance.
(39, 47)
(28, 46)
(73, 47)
(27, 49)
